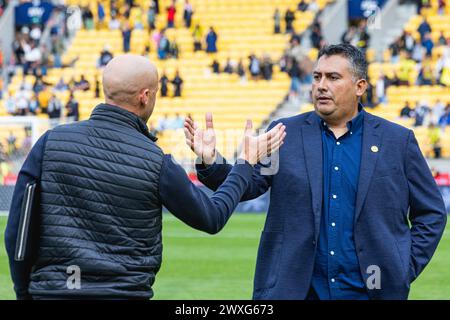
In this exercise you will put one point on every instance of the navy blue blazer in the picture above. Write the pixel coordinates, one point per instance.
(395, 186)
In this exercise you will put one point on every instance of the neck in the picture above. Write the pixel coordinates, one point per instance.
(342, 122)
(122, 106)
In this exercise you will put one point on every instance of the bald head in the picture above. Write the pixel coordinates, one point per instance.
(131, 82)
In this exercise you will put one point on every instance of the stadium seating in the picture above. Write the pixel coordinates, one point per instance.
(397, 96)
(243, 28)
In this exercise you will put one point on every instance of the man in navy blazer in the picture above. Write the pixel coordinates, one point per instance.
(354, 210)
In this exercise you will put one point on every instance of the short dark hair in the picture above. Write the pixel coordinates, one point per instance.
(355, 56)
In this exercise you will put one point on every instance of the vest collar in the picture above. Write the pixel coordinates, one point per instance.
(115, 114)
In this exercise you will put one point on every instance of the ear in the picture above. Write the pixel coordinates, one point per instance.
(361, 87)
(144, 96)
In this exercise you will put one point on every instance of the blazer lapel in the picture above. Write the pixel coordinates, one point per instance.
(312, 146)
(371, 144)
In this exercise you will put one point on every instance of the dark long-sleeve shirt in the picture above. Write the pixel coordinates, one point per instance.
(336, 270)
(177, 193)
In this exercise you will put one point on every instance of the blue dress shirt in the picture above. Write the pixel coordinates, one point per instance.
(336, 270)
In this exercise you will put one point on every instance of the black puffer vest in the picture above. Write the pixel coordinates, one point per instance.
(100, 209)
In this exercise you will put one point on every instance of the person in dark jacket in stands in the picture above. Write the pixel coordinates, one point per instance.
(102, 185)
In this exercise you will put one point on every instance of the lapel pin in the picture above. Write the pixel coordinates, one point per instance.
(374, 149)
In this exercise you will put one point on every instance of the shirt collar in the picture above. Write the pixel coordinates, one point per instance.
(354, 124)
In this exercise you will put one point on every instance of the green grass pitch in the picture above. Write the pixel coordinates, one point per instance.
(200, 266)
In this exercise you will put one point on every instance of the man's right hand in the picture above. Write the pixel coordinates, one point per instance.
(202, 142)
(255, 148)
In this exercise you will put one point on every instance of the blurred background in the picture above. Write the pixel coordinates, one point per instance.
(239, 59)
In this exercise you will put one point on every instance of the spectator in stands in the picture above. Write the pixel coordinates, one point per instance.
(32, 57)
(126, 36)
(105, 57)
(33, 106)
(38, 85)
(434, 139)
(254, 67)
(428, 44)
(381, 89)
(425, 76)
(163, 46)
(407, 41)
(437, 111)
(421, 113)
(22, 100)
(174, 50)
(294, 73)
(394, 49)
(19, 52)
(57, 50)
(349, 35)
(54, 110)
(441, 7)
(156, 36)
(277, 21)
(211, 41)
(445, 119)
(442, 68)
(424, 28)
(267, 68)
(3, 4)
(88, 18)
(10, 104)
(405, 70)
(187, 14)
(215, 66)
(44, 98)
(11, 140)
(97, 88)
(240, 70)
(61, 85)
(151, 15)
(442, 41)
(164, 123)
(228, 67)
(126, 11)
(407, 111)
(44, 62)
(177, 84)
(114, 22)
(139, 19)
(289, 18)
(72, 107)
(164, 81)
(100, 14)
(197, 34)
(171, 11)
(302, 6)
(368, 99)
(316, 36)
(83, 84)
(113, 8)
(363, 36)
(418, 52)
(177, 122)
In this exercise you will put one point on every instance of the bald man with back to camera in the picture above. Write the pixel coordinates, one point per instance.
(102, 185)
